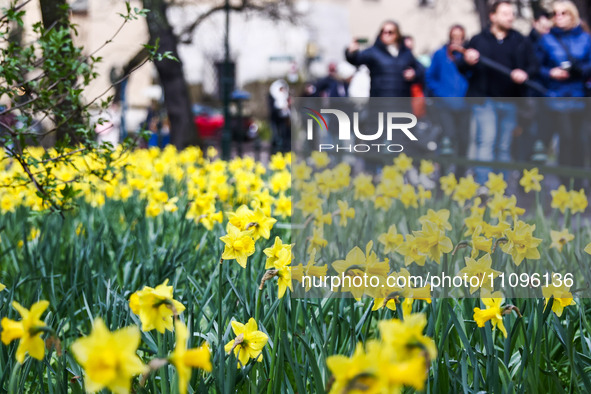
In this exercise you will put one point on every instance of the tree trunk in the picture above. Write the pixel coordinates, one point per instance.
(67, 114)
(53, 13)
(172, 78)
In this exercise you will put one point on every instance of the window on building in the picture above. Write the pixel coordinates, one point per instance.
(79, 7)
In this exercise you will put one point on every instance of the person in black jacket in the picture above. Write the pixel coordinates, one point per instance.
(495, 115)
(392, 66)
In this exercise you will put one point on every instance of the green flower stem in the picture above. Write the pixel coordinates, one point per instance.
(280, 325)
(222, 358)
(163, 372)
(257, 311)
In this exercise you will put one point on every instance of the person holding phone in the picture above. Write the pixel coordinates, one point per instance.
(392, 66)
(566, 65)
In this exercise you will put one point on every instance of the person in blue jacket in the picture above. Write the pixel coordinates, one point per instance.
(392, 66)
(565, 66)
(444, 80)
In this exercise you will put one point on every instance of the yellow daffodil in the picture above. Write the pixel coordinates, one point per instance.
(588, 248)
(283, 267)
(238, 245)
(301, 171)
(363, 187)
(492, 313)
(345, 212)
(408, 196)
(2, 287)
(109, 359)
(170, 205)
(155, 307)
(560, 238)
(403, 163)
(321, 219)
(249, 342)
(475, 220)
(448, 183)
(283, 206)
(385, 295)
(280, 182)
(153, 209)
(423, 194)
(560, 198)
(319, 159)
(410, 250)
(310, 269)
(351, 373)
(317, 240)
(255, 220)
(496, 183)
(501, 207)
(358, 264)
(406, 337)
(562, 297)
(391, 240)
(241, 218)
(272, 253)
(521, 243)
(578, 201)
(495, 231)
(465, 190)
(309, 203)
(415, 293)
(480, 269)
(426, 167)
(531, 180)
(185, 359)
(431, 241)
(480, 243)
(409, 293)
(28, 330)
(439, 218)
(277, 162)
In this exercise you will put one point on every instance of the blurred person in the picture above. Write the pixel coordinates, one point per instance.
(332, 85)
(527, 133)
(444, 80)
(565, 66)
(108, 131)
(495, 113)
(279, 116)
(309, 90)
(392, 66)
(541, 25)
(417, 91)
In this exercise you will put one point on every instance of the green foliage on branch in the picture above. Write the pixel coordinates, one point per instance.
(42, 85)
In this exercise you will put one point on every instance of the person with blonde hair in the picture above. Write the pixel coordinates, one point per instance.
(566, 66)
